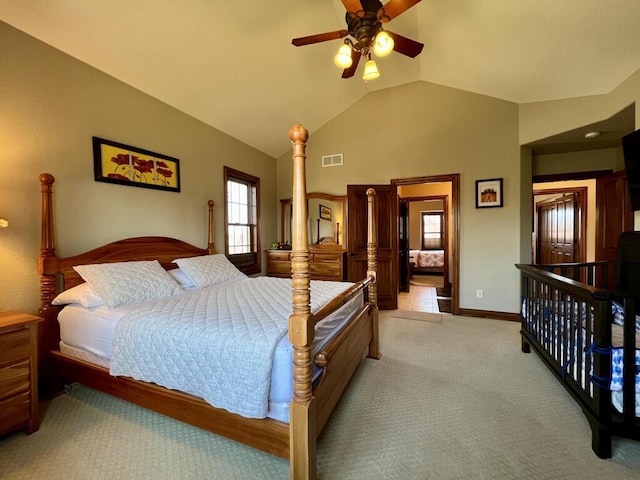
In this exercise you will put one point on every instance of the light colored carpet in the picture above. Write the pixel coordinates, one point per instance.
(450, 400)
(422, 316)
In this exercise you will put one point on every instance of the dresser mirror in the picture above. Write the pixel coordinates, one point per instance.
(327, 216)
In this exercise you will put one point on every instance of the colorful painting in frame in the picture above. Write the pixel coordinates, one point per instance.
(121, 164)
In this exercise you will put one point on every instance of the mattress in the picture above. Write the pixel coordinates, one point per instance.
(87, 333)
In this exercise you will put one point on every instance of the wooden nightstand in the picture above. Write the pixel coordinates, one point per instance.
(18, 372)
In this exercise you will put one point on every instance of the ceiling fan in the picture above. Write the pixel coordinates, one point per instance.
(365, 34)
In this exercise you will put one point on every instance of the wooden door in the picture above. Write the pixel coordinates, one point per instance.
(557, 230)
(403, 238)
(613, 214)
(386, 213)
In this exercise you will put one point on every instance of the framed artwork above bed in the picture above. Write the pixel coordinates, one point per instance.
(121, 164)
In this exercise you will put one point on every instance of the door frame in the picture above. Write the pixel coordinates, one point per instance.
(454, 255)
(445, 211)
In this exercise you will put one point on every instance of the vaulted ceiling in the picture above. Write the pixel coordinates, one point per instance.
(231, 64)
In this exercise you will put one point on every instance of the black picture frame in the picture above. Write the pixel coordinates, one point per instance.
(325, 212)
(121, 164)
(489, 193)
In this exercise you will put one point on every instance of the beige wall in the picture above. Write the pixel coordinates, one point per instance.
(584, 161)
(422, 129)
(52, 105)
(539, 120)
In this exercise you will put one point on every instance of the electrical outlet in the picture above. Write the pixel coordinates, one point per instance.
(479, 294)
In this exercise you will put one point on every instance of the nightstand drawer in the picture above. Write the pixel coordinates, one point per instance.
(18, 372)
(14, 347)
(15, 411)
(14, 379)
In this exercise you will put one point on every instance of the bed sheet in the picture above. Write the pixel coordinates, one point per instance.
(87, 334)
(427, 258)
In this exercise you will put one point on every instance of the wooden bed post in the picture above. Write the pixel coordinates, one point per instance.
(47, 267)
(211, 244)
(372, 268)
(302, 413)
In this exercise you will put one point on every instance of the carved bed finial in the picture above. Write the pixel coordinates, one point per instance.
(298, 134)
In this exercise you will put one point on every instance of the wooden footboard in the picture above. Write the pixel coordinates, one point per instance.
(569, 325)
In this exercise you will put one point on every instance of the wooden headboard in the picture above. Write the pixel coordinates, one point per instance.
(57, 274)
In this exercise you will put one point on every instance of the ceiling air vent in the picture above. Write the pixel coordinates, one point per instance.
(332, 160)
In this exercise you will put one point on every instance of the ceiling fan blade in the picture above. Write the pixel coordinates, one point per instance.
(393, 8)
(352, 6)
(405, 45)
(320, 37)
(355, 58)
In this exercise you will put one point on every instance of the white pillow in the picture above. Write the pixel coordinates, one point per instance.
(124, 283)
(209, 269)
(182, 278)
(82, 294)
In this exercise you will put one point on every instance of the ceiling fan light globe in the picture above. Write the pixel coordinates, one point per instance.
(383, 44)
(343, 57)
(370, 71)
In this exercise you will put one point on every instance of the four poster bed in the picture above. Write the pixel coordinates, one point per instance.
(331, 326)
(588, 335)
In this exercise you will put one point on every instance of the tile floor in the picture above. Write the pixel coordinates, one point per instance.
(419, 299)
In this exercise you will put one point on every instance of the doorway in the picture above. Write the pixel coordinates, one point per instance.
(445, 278)
(560, 225)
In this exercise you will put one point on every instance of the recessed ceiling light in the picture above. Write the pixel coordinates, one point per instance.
(591, 134)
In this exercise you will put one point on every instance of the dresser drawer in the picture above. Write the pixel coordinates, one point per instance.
(15, 411)
(279, 256)
(14, 346)
(326, 271)
(14, 379)
(327, 257)
(279, 269)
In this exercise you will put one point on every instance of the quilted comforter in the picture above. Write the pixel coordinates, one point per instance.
(216, 343)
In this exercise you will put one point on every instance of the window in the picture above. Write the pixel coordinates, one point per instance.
(432, 230)
(241, 215)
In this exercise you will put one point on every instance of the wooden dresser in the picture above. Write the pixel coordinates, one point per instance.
(18, 372)
(325, 263)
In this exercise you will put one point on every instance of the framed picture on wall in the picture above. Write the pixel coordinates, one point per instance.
(325, 213)
(115, 162)
(489, 193)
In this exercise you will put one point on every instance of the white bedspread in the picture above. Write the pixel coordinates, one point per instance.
(216, 344)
